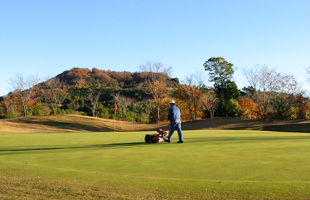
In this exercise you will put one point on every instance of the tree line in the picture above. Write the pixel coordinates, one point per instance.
(144, 96)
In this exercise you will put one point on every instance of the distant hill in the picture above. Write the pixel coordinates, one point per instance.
(89, 92)
(77, 123)
(128, 84)
(77, 77)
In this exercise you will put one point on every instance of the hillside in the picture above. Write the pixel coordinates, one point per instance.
(77, 123)
(90, 92)
(69, 123)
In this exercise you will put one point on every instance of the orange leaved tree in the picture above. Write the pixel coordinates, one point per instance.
(250, 106)
(156, 81)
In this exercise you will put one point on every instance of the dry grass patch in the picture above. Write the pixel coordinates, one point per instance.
(70, 123)
(78, 123)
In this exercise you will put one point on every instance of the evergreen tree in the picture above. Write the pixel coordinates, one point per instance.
(221, 73)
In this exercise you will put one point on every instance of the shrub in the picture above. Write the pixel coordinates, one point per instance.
(30, 111)
(143, 118)
(131, 116)
(37, 110)
(102, 112)
(9, 115)
(291, 113)
(307, 114)
(235, 109)
(62, 111)
(46, 110)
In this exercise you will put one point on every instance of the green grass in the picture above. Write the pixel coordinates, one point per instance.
(213, 164)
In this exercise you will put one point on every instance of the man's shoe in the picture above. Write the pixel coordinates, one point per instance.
(167, 141)
(180, 142)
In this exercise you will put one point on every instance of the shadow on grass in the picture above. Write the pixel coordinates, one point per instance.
(210, 123)
(304, 128)
(229, 123)
(290, 127)
(29, 150)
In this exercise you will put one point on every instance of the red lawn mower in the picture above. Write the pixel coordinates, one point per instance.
(160, 137)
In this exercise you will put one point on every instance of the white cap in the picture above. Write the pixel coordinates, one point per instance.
(172, 102)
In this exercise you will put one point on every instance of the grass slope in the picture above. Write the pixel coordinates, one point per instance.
(77, 123)
(69, 123)
(211, 164)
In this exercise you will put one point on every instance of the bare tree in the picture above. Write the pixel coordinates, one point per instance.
(24, 89)
(210, 102)
(285, 89)
(55, 92)
(93, 96)
(193, 91)
(95, 89)
(259, 78)
(123, 103)
(272, 90)
(156, 81)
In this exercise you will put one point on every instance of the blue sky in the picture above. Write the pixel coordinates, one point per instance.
(47, 37)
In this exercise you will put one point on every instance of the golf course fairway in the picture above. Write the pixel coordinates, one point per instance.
(210, 164)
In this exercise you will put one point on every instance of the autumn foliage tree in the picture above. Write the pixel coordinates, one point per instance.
(156, 81)
(164, 106)
(192, 92)
(182, 93)
(250, 108)
(10, 103)
(302, 108)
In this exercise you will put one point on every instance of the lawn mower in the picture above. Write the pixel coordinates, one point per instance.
(160, 137)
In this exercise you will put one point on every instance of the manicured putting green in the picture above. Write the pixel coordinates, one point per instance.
(213, 164)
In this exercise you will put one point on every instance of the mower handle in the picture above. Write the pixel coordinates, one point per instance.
(168, 127)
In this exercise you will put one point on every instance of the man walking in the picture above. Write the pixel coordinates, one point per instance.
(174, 115)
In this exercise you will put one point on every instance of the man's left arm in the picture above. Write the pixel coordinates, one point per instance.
(169, 113)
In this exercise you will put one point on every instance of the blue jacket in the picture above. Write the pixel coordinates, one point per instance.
(174, 114)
